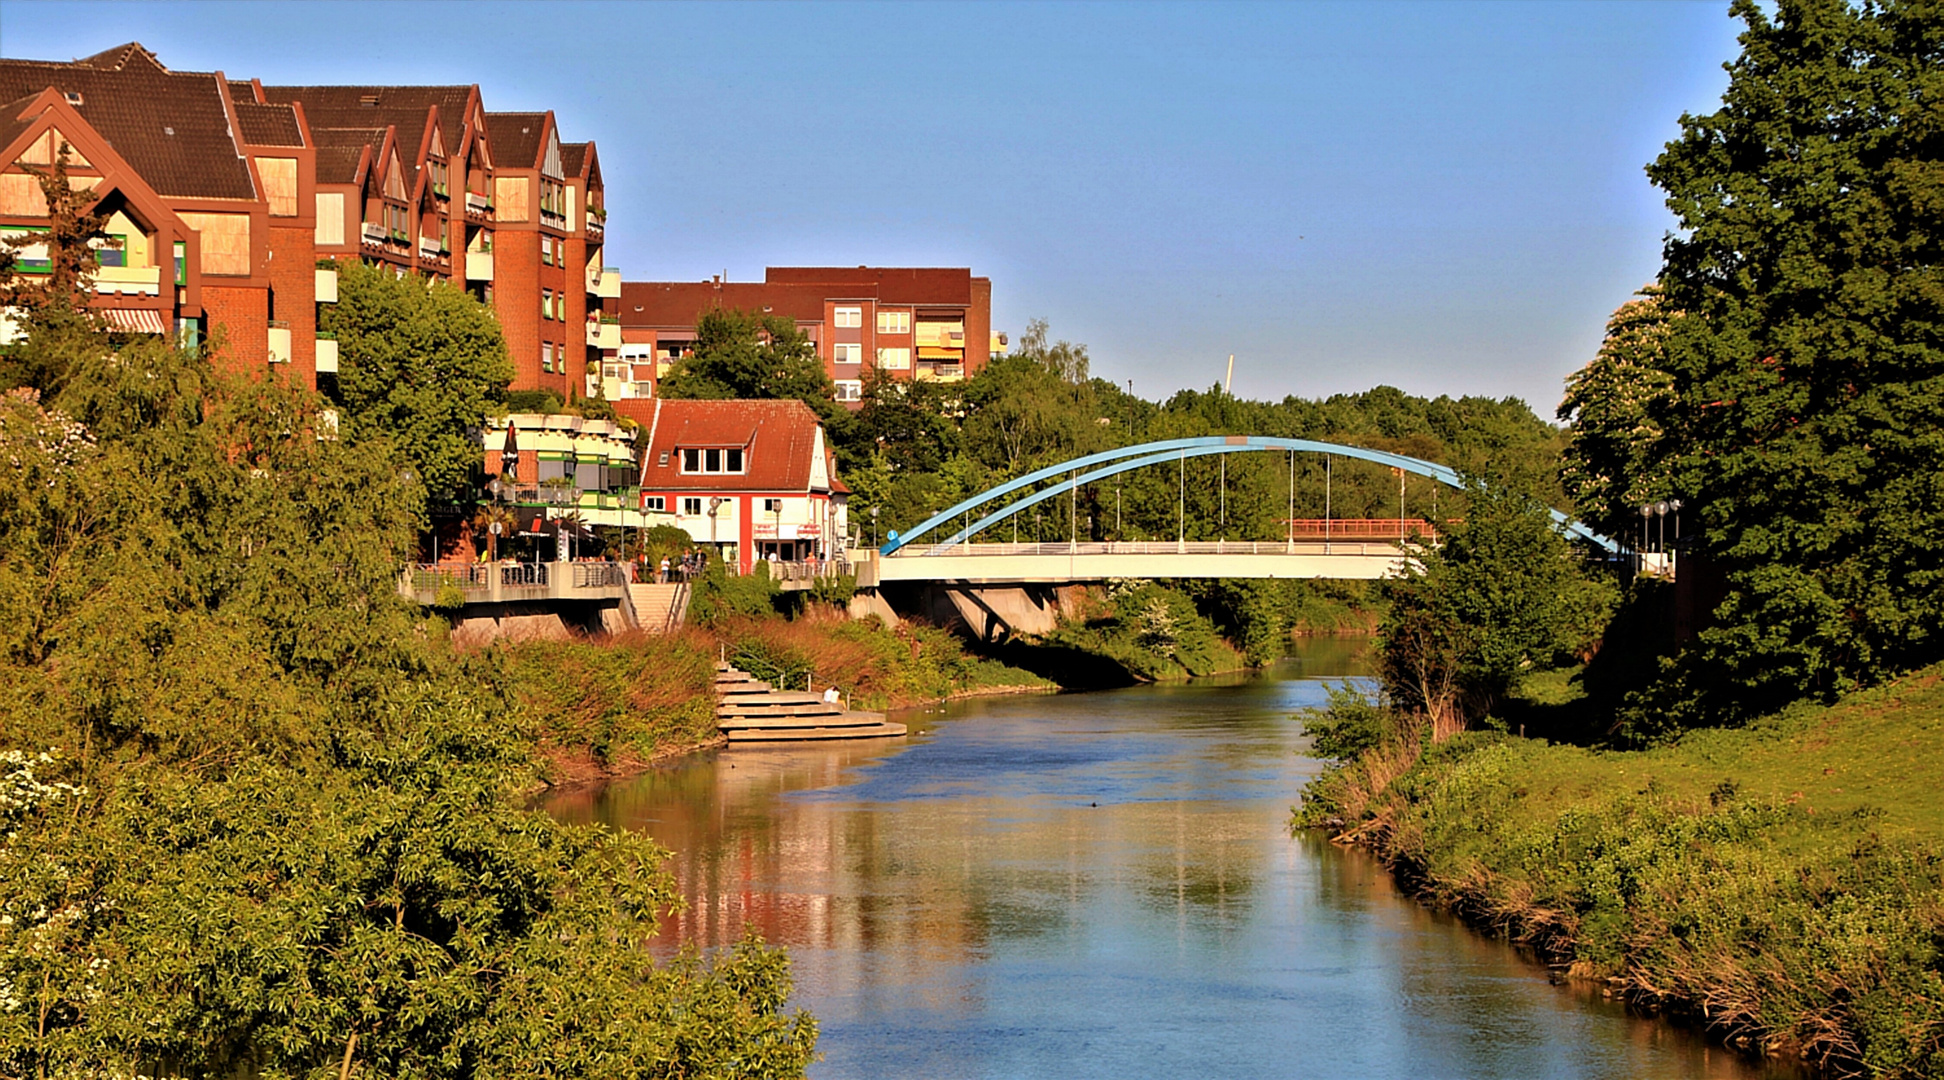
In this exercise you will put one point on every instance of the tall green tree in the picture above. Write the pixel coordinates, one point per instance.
(1618, 456)
(52, 304)
(421, 365)
(1807, 358)
(739, 355)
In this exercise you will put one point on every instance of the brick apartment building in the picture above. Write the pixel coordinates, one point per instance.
(227, 193)
(210, 198)
(912, 323)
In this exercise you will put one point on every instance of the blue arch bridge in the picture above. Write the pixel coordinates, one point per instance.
(937, 572)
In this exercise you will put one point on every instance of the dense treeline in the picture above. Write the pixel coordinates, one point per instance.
(255, 817)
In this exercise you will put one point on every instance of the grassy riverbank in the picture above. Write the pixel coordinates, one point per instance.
(1780, 885)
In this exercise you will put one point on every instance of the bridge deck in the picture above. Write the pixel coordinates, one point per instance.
(1065, 562)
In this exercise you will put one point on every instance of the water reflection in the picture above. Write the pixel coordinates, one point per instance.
(1100, 885)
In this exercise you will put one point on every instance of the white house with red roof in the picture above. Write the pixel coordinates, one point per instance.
(750, 478)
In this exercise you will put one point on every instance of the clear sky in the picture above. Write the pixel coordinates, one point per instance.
(1445, 197)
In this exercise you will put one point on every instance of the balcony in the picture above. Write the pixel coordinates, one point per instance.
(554, 218)
(327, 356)
(326, 288)
(605, 282)
(430, 247)
(594, 227)
(375, 233)
(128, 280)
(479, 266)
(603, 334)
(479, 208)
(279, 342)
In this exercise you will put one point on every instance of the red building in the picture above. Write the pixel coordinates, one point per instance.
(209, 195)
(748, 478)
(911, 323)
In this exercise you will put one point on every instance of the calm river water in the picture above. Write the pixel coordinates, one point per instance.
(1103, 885)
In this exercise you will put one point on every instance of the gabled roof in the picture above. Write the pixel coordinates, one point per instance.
(582, 160)
(780, 439)
(517, 137)
(342, 151)
(121, 57)
(171, 127)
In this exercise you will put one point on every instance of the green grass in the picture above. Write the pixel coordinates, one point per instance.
(1782, 885)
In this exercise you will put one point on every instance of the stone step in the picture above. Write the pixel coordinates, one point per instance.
(743, 689)
(821, 708)
(863, 731)
(774, 697)
(788, 723)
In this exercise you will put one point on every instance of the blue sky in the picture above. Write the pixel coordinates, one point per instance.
(1445, 197)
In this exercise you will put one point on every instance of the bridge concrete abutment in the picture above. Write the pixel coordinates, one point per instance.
(987, 612)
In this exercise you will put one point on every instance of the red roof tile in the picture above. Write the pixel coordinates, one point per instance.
(778, 437)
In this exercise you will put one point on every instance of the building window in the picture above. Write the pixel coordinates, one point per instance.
(655, 503)
(546, 356)
(850, 390)
(712, 461)
(894, 322)
(772, 506)
(691, 506)
(894, 359)
(546, 303)
(438, 169)
(851, 353)
(850, 317)
(546, 251)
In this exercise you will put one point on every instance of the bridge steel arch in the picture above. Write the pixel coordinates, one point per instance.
(1113, 462)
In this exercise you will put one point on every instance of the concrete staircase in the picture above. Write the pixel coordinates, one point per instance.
(660, 609)
(750, 710)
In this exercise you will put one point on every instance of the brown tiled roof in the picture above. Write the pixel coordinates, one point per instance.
(573, 157)
(516, 138)
(268, 125)
(340, 149)
(119, 58)
(890, 285)
(379, 106)
(10, 123)
(780, 438)
(242, 90)
(171, 127)
(681, 303)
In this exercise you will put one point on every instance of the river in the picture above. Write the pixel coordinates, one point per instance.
(1103, 885)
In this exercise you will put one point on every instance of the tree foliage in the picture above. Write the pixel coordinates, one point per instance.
(254, 816)
(740, 355)
(1618, 457)
(420, 365)
(1791, 394)
(1504, 595)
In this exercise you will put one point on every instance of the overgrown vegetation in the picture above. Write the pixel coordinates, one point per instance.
(1781, 886)
(254, 816)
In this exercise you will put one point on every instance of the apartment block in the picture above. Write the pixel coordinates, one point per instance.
(912, 323)
(208, 198)
(226, 194)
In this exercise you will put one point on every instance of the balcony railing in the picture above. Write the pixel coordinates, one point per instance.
(429, 247)
(375, 233)
(478, 205)
(479, 266)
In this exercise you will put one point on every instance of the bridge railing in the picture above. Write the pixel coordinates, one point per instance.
(1304, 546)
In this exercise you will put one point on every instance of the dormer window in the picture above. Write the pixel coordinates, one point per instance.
(438, 170)
(710, 460)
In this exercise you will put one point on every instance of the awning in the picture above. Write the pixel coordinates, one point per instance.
(134, 320)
